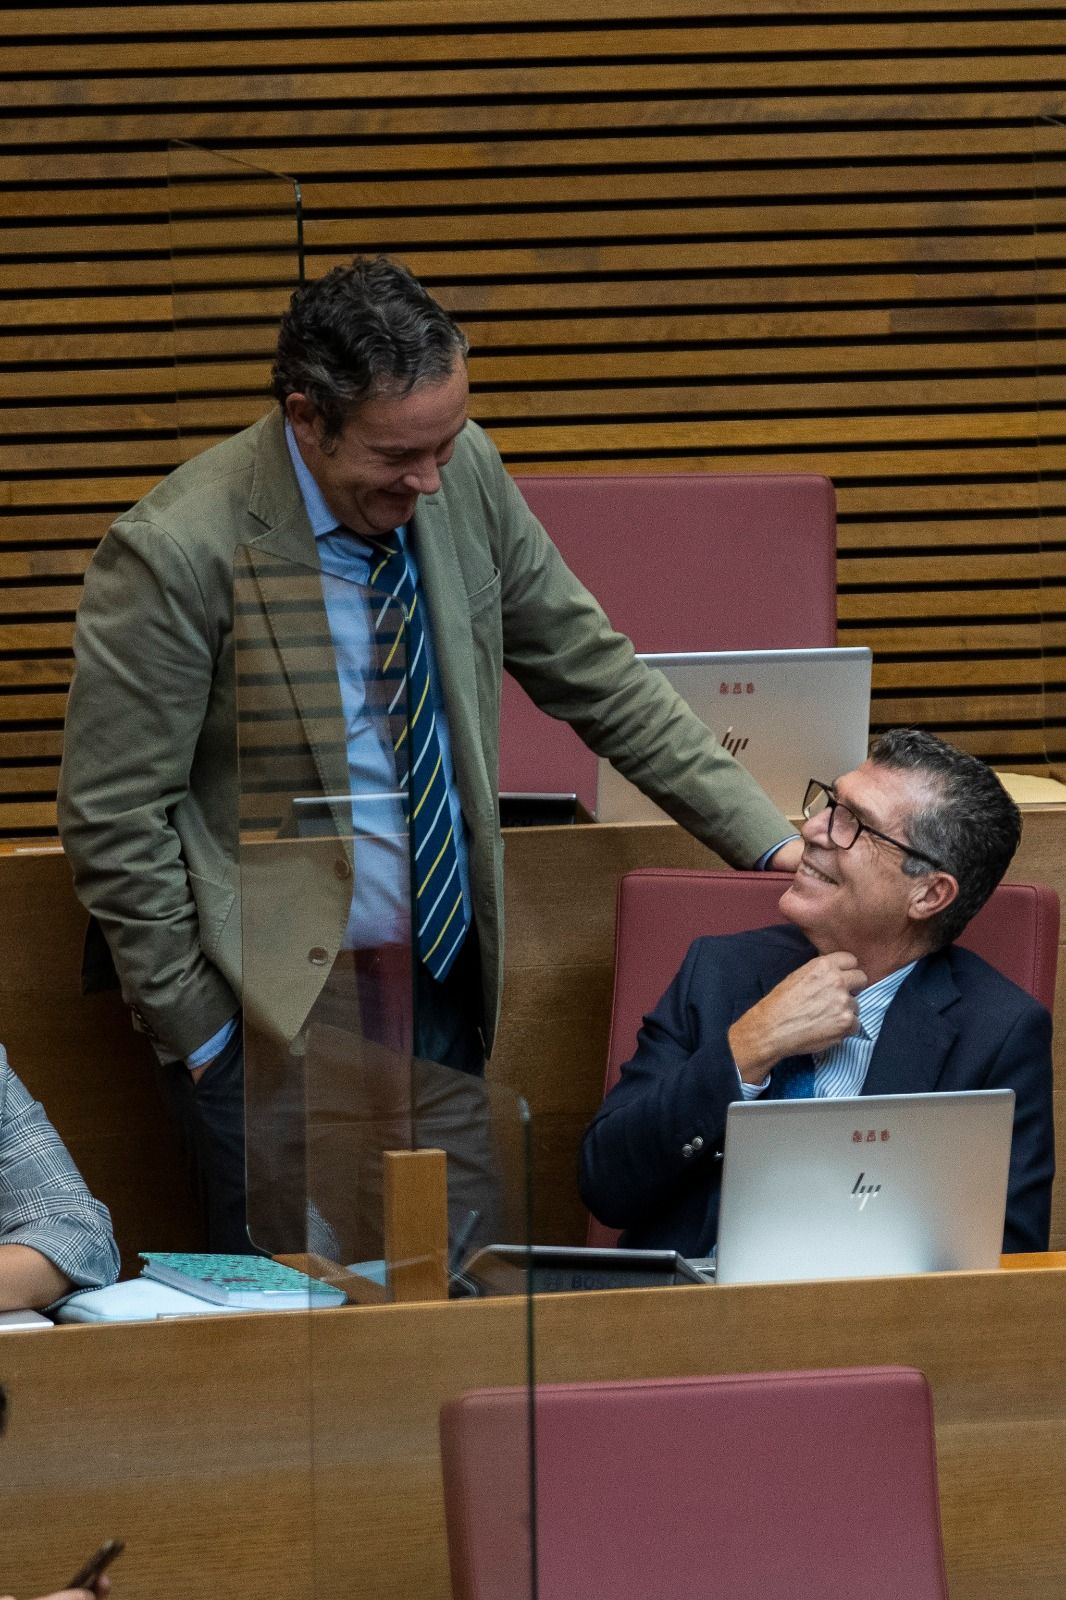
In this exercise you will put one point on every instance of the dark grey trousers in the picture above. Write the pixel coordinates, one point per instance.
(306, 1170)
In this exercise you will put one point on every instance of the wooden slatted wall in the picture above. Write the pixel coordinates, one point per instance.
(753, 235)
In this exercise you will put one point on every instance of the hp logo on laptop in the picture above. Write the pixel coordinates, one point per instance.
(864, 1191)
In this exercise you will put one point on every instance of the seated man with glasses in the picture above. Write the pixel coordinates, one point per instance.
(865, 992)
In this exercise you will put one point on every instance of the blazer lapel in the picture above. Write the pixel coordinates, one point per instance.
(275, 500)
(915, 1036)
(280, 627)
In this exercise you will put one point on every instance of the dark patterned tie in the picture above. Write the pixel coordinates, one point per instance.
(438, 893)
(798, 1081)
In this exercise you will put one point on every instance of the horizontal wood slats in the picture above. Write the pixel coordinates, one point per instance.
(754, 238)
(278, 16)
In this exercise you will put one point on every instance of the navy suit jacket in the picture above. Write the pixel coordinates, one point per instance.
(956, 1023)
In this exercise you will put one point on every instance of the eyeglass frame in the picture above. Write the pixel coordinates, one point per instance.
(860, 827)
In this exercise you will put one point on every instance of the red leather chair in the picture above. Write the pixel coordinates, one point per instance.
(773, 1486)
(661, 912)
(740, 561)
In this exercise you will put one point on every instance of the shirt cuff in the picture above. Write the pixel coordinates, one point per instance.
(214, 1046)
(752, 1091)
(764, 860)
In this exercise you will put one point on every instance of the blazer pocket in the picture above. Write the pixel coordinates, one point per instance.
(487, 595)
(214, 903)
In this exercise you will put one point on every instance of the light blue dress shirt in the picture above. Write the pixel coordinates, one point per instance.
(380, 908)
(841, 1070)
(763, 863)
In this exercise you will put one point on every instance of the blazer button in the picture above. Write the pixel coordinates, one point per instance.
(687, 1151)
(697, 1143)
(342, 868)
(317, 956)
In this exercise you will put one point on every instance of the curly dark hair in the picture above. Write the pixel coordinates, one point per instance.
(362, 328)
(970, 824)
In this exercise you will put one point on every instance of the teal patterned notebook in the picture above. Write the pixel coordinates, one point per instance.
(250, 1283)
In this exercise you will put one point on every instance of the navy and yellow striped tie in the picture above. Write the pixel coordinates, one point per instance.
(437, 887)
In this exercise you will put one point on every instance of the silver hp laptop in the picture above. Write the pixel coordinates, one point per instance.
(786, 715)
(865, 1187)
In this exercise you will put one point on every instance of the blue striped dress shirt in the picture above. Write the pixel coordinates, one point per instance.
(841, 1070)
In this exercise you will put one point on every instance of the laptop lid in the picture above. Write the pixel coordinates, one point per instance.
(786, 715)
(866, 1187)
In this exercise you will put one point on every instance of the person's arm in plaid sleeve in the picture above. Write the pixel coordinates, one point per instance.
(53, 1234)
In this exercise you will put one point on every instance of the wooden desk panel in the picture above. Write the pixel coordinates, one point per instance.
(188, 1439)
(301, 1453)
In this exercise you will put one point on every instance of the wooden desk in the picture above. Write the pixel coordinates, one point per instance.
(297, 1456)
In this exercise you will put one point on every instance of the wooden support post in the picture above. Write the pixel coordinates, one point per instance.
(416, 1224)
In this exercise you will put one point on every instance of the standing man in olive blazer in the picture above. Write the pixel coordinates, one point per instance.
(371, 436)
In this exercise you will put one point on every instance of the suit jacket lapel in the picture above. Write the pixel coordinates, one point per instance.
(916, 1035)
(275, 500)
(280, 599)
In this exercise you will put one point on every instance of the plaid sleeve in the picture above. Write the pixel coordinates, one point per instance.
(43, 1199)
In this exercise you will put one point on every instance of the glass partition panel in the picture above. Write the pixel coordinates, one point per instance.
(396, 1180)
(236, 255)
(1049, 206)
(326, 894)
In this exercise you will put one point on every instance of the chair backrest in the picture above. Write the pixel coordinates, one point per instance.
(660, 913)
(740, 561)
(805, 1485)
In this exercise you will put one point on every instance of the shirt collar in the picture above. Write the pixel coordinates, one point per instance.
(319, 515)
(874, 1001)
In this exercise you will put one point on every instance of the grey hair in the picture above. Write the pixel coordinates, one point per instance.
(970, 825)
(362, 329)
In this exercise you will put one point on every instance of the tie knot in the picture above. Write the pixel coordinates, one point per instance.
(368, 542)
(373, 544)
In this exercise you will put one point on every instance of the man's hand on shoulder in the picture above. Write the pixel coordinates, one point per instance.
(787, 859)
(810, 1010)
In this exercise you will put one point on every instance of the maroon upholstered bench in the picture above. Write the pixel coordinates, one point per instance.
(773, 1486)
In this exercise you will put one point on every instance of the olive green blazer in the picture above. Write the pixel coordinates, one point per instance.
(149, 790)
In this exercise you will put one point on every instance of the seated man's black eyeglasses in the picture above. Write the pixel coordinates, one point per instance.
(845, 826)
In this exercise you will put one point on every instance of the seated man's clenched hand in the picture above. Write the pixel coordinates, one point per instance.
(810, 1010)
